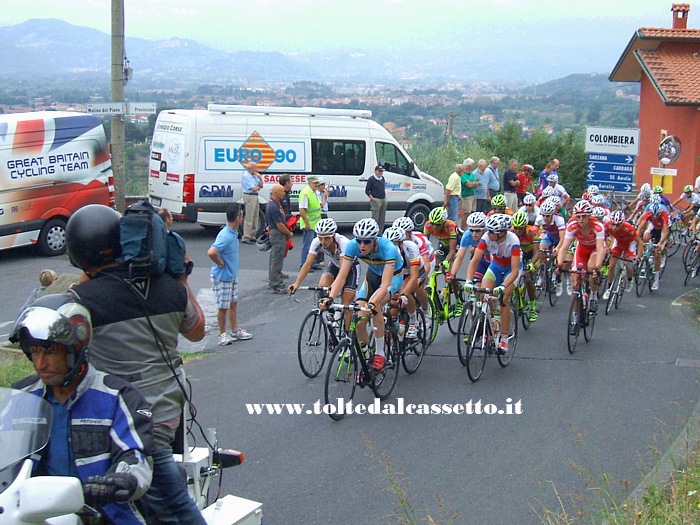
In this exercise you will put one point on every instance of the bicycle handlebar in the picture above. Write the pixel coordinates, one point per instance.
(353, 307)
(324, 289)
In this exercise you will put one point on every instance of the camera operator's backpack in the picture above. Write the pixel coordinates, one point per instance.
(147, 246)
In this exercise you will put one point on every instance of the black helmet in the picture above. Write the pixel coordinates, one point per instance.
(92, 236)
(56, 318)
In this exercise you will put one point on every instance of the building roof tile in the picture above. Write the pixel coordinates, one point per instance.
(674, 74)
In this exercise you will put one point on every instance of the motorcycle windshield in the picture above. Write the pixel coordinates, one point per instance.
(25, 425)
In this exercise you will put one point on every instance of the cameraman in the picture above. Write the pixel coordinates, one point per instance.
(136, 322)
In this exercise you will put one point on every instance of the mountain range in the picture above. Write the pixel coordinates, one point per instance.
(55, 49)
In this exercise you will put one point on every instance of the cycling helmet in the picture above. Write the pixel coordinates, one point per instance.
(325, 227)
(582, 207)
(529, 199)
(395, 234)
(553, 177)
(655, 209)
(548, 191)
(92, 236)
(56, 318)
(658, 189)
(548, 208)
(438, 215)
(498, 201)
(586, 196)
(597, 199)
(366, 229)
(646, 187)
(592, 189)
(644, 195)
(554, 199)
(598, 212)
(405, 223)
(476, 220)
(496, 223)
(687, 188)
(655, 198)
(617, 217)
(519, 220)
(263, 242)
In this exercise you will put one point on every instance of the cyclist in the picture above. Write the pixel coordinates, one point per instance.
(598, 201)
(530, 208)
(624, 235)
(414, 275)
(590, 249)
(638, 205)
(503, 270)
(476, 223)
(498, 205)
(659, 190)
(693, 200)
(599, 213)
(559, 191)
(551, 226)
(445, 231)
(653, 225)
(426, 252)
(383, 279)
(531, 253)
(546, 193)
(332, 244)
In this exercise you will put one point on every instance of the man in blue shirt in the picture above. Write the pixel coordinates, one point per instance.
(251, 184)
(224, 276)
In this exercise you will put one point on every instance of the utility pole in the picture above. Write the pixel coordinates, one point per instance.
(118, 81)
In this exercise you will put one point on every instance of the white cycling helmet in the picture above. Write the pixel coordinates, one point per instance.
(476, 220)
(548, 192)
(548, 208)
(395, 234)
(366, 229)
(598, 212)
(553, 177)
(617, 217)
(597, 199)
(405, 223)
(529, 199)
(554, 199)
(592, 189)
(654, 198)
(326, 227)
(498, 222)
(646, 188)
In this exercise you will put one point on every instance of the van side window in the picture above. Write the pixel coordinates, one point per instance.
(338, 157)
(391, 158)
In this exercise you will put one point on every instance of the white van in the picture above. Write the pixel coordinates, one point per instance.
(51, 164)
(198, 158)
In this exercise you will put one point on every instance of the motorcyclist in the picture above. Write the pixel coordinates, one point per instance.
(102, 429)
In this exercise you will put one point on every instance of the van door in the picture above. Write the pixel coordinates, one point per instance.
(166, 166)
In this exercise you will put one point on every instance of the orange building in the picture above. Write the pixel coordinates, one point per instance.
(666, 62)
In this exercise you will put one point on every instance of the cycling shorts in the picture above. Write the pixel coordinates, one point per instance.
(481, 269)
(622, 250)
(497, 273)
(549, 240)
(353, 279)
(373, 281)
(656, 235)
(582, 255)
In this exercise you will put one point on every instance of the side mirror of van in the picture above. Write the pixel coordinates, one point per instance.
(411, 170)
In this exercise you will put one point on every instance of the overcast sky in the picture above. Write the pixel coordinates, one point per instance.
(594, 31)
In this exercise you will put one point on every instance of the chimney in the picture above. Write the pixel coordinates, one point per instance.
(680, 15)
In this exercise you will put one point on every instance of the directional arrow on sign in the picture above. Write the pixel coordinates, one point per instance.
(610, 171)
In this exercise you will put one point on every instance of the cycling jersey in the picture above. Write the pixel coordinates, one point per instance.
(411, 257)
(623, 239)
(384, 253)
(506, 211)
(657, 222)
(501, 252)
(527, 241)
(530, 213)
(553, 230)
(424, 246)
(341, 241)
(595, 231)
(445, 234)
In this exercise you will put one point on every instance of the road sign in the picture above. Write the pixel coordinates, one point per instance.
(620, 141)
(107, 108)
(610, 169)
(141, 108)
(664, 171)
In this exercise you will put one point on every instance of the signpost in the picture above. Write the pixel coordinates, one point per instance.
(107, 108)
(611, 156)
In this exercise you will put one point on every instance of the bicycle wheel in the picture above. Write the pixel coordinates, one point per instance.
(552, 286)
(589, 324)
(455, 302)
(675, 239)
(504, 359)
(650, 272)
(540, 286)
(415, 348)
(621, 287)
(614, 290)
(574, 326)
(478, 348)
(640, 277)
(432, 321)
(692, 267)
(687, 252)
(523, 306)
(383, 382)
(312, 344)
(466, 321)
(341, 377)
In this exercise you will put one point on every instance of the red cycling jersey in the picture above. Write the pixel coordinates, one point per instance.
(658, 221)
(595, 231)
(624, 236)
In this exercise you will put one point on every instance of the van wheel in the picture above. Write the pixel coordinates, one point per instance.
(52, 238)
(419, 215)
(262, 224)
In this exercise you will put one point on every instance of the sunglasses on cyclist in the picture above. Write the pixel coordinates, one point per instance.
(546, 216)
(476, 230)
(365, 241)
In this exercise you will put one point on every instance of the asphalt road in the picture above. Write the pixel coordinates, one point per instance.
(607, 410)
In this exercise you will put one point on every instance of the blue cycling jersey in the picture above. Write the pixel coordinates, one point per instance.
(385, 252)
(468, 240)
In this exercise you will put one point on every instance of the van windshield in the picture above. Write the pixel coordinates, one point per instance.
(391, 158)
(338, 157)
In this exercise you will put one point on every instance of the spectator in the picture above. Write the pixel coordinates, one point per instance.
(224, 276)
(310, 211)
(164, 213)
(546, 172)
(136, 321)
(279, 234)
(453, 190)
(468, 194)
(251, 184)
(46, 278)
(510, 184)
(492, 172)
(375, 189)
(286, 182)
(102, 429)
(322, 192)
(525, 183)
(488, 182)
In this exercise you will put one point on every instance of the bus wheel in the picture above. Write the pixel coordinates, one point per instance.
(52, 238)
